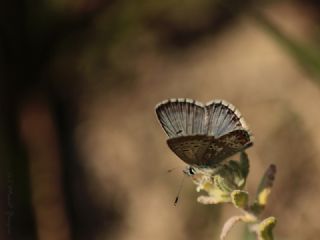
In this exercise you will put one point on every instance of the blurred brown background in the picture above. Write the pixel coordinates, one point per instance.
(82, 154)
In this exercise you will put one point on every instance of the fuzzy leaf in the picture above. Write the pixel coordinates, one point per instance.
(264, 189)
(244, 164)
(236, 172)
(223, 184)
(266, 227)
(240, 199)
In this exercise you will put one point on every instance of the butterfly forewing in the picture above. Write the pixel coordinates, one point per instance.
(222, 118)
(181, 117)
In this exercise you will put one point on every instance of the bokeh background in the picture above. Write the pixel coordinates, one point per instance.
(82, 155)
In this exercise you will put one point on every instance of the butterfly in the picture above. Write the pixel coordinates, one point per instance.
(203, 135)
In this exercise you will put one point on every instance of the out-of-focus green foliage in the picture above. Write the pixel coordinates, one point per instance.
(308, 55)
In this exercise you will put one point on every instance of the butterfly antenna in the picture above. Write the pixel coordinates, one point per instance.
(179, 190)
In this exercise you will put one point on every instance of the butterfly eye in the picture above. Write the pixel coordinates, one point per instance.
(192, 171)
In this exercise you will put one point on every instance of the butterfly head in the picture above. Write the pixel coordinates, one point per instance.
(202, 177)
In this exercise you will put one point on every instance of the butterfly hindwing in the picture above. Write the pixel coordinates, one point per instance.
(226, 146)
(190, 148)
(202, 150)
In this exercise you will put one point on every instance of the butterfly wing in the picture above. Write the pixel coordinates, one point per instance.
(227, 145)
(203, 135)
(206, 151)
(190, 148)
(222, 118)
(181, 117)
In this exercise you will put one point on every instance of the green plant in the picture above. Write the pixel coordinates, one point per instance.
(226, 185)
